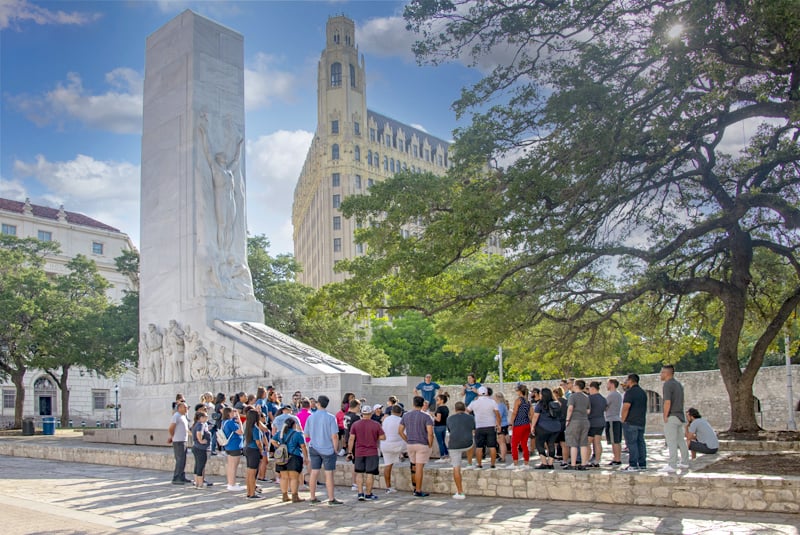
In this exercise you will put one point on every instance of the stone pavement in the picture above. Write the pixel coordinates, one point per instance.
(55, 497)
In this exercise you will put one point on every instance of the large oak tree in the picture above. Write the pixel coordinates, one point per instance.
(628, 154)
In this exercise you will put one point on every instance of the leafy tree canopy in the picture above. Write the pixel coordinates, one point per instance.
(639, 154)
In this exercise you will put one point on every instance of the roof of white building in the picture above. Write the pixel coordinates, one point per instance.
(47, 212)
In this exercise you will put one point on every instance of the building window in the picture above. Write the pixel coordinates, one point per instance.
(336, 74)
(427, 155)
(336, 180)
(358, 181)
(335, 152)
(352, 76)
(370, 182)
(357, 153)
(653, 401)
(9, 230)
(99, 399)
(334, 127)
(337, 245)
(337, 222)
(369, 157)
(45, 235)
(9, 398)
(441, 160)
(337, 201)
(385, 163)
(356, 128)
(416, 154)
(377, 160)
(391, 165)
(388, 139)
(360, 248)
(97, 248)
(372, 134)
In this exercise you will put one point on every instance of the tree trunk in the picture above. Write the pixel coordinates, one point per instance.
(19, 400)
(62, 384)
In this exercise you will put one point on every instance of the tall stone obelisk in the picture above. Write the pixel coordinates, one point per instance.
(193, 224)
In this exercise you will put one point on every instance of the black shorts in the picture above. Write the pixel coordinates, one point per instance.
(366, 465)
(486, 437)
(295, 464)
(503, 430)
(596, 431)
(253, 457)
(614, 432)
(234, 453)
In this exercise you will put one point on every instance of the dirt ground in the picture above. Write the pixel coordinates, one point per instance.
(777, 464)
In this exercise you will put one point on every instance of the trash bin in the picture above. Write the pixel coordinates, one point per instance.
(49, 425)
(27, 427)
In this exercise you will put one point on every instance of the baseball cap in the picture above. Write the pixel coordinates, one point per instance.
(482, 391)
(376, 407)
(286, 406)
(366, 409)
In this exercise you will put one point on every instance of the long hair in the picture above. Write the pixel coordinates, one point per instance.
(249, 424)
(289, 424)
(545, 399)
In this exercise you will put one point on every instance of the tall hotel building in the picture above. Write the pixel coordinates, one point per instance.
(353, 147)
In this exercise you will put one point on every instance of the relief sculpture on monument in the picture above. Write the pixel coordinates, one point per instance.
(228, 272)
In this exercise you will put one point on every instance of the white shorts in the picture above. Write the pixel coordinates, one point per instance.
(392, 452)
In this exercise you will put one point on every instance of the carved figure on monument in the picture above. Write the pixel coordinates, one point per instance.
(199, 365)
(155, 355)
(191, 340)
(214, 369)
(229, 275)
(174, 349)
(145, 373)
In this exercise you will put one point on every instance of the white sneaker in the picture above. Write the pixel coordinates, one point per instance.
(458, 496)
(667, 469)
(354, 487)
(236, 488)
(683, 466)
(391, 490)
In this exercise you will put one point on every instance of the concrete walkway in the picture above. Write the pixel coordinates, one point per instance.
(63, 498)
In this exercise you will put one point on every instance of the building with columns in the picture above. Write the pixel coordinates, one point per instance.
(90, 394)
(353, 148)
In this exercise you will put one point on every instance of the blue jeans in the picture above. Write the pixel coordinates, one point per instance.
(439, 431)
(637, 450)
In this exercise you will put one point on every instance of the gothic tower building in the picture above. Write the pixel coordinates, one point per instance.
(353, 147)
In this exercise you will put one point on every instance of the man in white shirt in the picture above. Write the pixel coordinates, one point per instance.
(178, 435)
(487, 425)
(393, 446)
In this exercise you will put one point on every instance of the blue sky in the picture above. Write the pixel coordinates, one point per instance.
(71, 96)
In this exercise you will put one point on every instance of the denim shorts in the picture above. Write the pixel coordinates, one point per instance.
(319, 461)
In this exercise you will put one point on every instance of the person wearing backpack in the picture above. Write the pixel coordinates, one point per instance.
(295, 458)
(547, 426)
(232, 433)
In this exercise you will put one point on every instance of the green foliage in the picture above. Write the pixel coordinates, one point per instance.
(622, 186)
(414, 348)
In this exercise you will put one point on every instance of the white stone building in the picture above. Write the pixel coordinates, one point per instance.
(90, 394)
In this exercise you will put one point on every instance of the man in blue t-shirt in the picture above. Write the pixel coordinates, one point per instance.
(322, 429)
(427, 390)
(470, 389)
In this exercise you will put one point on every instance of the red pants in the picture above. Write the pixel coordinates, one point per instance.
(519, 437)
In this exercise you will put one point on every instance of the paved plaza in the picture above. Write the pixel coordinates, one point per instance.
(53, 497)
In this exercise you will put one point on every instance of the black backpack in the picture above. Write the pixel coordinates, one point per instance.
(554, 410)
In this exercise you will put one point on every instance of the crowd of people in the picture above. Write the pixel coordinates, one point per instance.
(565, 425)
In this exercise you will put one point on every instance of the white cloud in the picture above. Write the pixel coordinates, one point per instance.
(386, 36)
(419, 127)
(118, 110)
(15, 12)
(12, 189)
(104, 190)
(263, 83)
(274, 162)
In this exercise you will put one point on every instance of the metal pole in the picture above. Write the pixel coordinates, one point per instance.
(116, 405)
(500, 357)
(790, 423)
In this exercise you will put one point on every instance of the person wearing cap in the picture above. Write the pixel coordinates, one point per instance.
(377, 413)
(362, 447)
(280, 421)
(487, 425)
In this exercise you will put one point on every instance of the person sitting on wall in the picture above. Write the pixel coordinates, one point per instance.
(700, 436)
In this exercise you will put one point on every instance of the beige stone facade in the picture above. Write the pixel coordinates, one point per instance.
(353, 148)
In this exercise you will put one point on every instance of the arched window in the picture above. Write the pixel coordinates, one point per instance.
(336, 74)
(335, 151)
(377, 160)
(357, 153)
(653, 401)
(369, 157)
(385, 163)
(391, 165)
(352, 76)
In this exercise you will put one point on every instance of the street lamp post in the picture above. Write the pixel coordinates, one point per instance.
(499, 358)
(116, 405)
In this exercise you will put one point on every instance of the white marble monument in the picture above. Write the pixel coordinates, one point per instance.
(202, 328)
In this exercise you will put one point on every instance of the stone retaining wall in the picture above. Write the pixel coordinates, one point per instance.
(713, 491)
